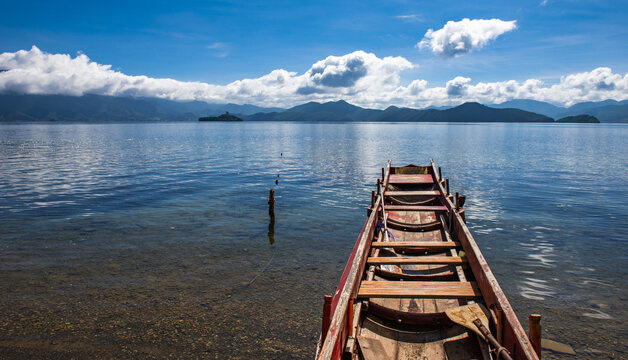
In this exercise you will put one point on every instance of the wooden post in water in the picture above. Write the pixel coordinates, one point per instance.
(440, 174)
(382, 174)
(271, 205)
(447, 186)
(535, 333)
(372, 198)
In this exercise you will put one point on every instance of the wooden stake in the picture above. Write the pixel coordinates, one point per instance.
(440, 174)
(372, 198)
(457, 201)
(382, 174)
(535, 333)
(447, 186)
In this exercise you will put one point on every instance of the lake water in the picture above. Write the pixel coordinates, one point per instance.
(151, 240)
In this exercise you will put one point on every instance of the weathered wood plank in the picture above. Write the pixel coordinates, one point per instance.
(419, 289)
(412, 193)
(415, 208)
(381, 284)
(447, 260)
(416, 244)
(411, 179)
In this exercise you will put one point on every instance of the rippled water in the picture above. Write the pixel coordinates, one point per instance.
(151, 240)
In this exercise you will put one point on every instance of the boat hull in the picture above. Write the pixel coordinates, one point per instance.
(414, 259)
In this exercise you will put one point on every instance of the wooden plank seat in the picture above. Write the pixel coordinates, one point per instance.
(416, 244)
(411, 193)
(419, 289)
(410, 179)
(415, 208)
(417, 260)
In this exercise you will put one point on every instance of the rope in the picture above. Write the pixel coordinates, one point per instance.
(264, 269)
(401, 202)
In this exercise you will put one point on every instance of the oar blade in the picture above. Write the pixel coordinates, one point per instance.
(465, 315)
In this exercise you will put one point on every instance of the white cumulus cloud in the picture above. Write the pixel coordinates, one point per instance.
(36, 72)
(359, 77)
(358, 71)
(460, 37)
(457, 86)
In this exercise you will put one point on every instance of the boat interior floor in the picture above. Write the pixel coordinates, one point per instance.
(381, 339)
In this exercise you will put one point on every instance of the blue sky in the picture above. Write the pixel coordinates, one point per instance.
(219, 42)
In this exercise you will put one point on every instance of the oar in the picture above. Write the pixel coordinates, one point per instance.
(474, 318)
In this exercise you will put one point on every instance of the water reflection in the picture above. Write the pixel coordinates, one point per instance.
(271, 230)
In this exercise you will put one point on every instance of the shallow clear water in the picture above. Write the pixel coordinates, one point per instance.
(151, 240)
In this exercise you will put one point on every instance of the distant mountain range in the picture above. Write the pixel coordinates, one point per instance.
(343, 111)
(97, 108)
(605, 111)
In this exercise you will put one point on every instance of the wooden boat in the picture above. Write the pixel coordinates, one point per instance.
(414, 262)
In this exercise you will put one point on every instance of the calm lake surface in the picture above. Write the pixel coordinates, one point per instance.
(151, 240)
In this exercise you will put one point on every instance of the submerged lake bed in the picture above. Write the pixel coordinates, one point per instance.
(152, 240)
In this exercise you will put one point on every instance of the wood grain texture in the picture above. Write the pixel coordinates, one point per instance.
(413, 193)
(449, 260)
(419, 289)
(416, 244)
(411, 179)
(415, 208)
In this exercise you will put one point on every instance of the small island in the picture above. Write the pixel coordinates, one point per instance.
(578, 119)
(224, 117)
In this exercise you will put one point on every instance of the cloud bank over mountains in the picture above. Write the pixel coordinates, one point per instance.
(359, 77)
(460, 37)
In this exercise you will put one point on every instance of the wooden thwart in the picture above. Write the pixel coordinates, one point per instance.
(410, 179)
(412, 193)
(415, 208)
(422, 289)
(443, 260)
(416, 244)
